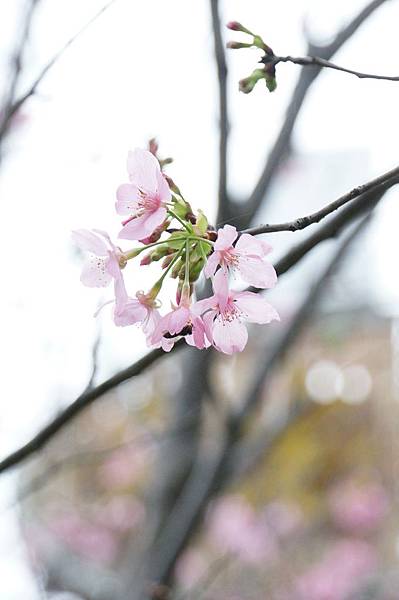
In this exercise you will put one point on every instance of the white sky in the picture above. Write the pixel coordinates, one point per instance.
(145, 69)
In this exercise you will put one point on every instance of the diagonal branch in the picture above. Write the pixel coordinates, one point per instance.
(283, 140)
(14, 104)
(223, 204)
(302, 222)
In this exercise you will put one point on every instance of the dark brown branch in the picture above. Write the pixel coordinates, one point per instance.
(223, 205)
(308, 61)
(283, 140)
(15, 104)
(303, 222)
(69, 413)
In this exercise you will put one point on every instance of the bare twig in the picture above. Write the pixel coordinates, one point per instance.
(223, 206)
(17, 58)
(283, 140)
(308, 61)
(303, 222)
(15, 104)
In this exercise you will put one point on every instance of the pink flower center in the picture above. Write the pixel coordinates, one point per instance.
(229, 258)
(230, 312)
(148, 202)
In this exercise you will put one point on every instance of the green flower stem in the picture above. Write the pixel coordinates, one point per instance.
(175, 216)
(136, 251)
(156, 288)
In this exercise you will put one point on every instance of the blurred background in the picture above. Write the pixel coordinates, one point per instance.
(315, 516)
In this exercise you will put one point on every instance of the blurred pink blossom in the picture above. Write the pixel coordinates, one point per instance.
(339, 573)
(235, 527)
(125, 465)
(93, 541)
(191, 567)
(358, 508)
(283, 518)
(121, 514)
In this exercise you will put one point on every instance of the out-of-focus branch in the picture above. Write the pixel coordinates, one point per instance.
(207, 475)
(283, 140)
(14, 104)
(355, 209)
(84, 400)
(302, 222)
(224, 201)
(7, 101)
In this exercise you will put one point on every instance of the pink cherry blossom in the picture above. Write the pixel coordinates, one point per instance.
(104, 259)
(142, 309)
(225, 311)
(247, 257)
(181, 321)
(144, 198)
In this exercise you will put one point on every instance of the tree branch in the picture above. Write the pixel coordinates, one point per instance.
(302, 222)
(15, 104)
(283, 140)
(308, 61)
(223, 204)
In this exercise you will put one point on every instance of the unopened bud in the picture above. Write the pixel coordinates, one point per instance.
(237, 45)
(156, 234)
(236, 26)
(153, 146)
(146, 260)
(167, 260)
(247, 85)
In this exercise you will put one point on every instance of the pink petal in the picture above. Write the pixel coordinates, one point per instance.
(226, 237)
(89, 241)
(201, 306)
(229, 336)
(221, 288)
(198, 333)
(254, 308)
(211, 264)
(127, 199)
(132, 312)
(208, 319)
(256, 271)
(178, 319)
(163, 188)
(134, 229)
(95, 273)
(154, 219)
(248, 244)
(143, 167)
(121, 296)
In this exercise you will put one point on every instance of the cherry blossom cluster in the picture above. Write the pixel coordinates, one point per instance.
(165, 228)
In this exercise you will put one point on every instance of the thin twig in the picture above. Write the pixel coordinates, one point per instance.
(223, 206)
(16, 104)
(282, 143)
(307, 61)
(303, 222)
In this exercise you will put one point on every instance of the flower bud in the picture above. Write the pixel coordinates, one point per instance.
(146, 260)
(237, 45)
(167, 260)
(153, 146)
(236, 26)
(247, 85)
(156, 234)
